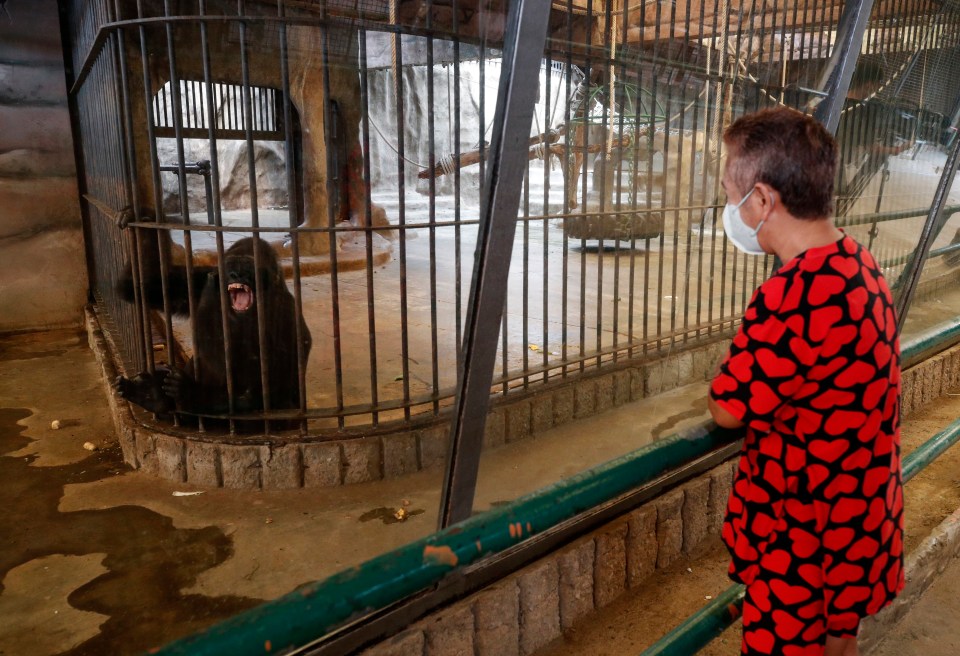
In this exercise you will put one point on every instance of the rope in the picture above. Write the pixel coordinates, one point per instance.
(392, 147)
(613, 81)
(447, 164)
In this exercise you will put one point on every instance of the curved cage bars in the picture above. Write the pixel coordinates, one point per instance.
(353, 138)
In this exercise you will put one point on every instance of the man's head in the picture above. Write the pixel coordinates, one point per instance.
(781, 153)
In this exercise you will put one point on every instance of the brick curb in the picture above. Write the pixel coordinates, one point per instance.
(287, 460)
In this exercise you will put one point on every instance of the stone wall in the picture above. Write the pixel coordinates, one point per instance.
(41, 240)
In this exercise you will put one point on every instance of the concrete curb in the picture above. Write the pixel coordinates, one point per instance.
(922, 567)
(330, 459)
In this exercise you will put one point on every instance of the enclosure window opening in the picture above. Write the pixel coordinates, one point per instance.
(267, 136)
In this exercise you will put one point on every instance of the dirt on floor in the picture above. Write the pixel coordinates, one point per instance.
(932, 627)
(105, 560)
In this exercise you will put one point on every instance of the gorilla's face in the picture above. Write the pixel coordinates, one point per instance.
(242, 273)
(240, 283)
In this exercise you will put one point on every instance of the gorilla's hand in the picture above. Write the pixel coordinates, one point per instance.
(145, 390)
(181, 388)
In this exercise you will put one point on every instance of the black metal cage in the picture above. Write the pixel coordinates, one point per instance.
(353, 137)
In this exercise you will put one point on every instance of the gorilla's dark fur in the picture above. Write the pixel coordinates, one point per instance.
(202, 387)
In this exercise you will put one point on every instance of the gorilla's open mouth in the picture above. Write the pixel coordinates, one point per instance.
(241, 296)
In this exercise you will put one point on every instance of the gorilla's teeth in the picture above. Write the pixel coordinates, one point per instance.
(241, 296)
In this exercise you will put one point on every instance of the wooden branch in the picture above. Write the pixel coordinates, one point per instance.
(473, 157)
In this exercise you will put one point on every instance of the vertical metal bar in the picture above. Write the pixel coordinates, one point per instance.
(568, 139)
(432, 216)
(525, 316)
(332, 178)
(371, 305)
(654, 98)
(141, 312)
(638, 119)
(211, 120)
(584, 180)
(606, 120)
(246, 116)
(524, 41)
(704, 190)
(843, 60)
(293, 205)
(157, 188)
(545, 224)
(397, 70)
(177, 115)
(457, 255)
(663, 192)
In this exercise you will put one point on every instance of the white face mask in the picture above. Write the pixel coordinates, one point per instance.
(743, 236)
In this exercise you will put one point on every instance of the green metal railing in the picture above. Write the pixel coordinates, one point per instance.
(311, 611)
(314, 610)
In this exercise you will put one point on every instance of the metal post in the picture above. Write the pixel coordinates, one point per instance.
(906, 284)
(523, 48)
(843, 60)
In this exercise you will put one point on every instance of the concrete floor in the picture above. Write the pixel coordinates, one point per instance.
(932, 627)
(100, 559)
(105, 560)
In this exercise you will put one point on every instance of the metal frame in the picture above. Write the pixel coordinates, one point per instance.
(624, 302)
(526, 30)
(936, 219)
(843, 61)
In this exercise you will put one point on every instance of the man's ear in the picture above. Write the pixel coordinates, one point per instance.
(768, 196)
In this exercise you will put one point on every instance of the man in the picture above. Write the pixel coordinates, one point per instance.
(814, 523)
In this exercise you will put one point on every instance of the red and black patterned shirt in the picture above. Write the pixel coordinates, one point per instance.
(814, 373)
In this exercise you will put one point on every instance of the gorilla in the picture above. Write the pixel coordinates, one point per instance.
(201, 388)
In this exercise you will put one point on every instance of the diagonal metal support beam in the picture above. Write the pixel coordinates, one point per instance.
(835, 81)
(523, 50)
(906, 284)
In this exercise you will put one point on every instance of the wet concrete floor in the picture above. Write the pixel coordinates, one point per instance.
(100, 559)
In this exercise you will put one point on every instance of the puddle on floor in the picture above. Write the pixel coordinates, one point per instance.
(147, 560)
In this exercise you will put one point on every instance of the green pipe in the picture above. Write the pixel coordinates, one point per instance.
(943, 250)
(702, 627)
(313, 610)
(930, 342)
(927, 452)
